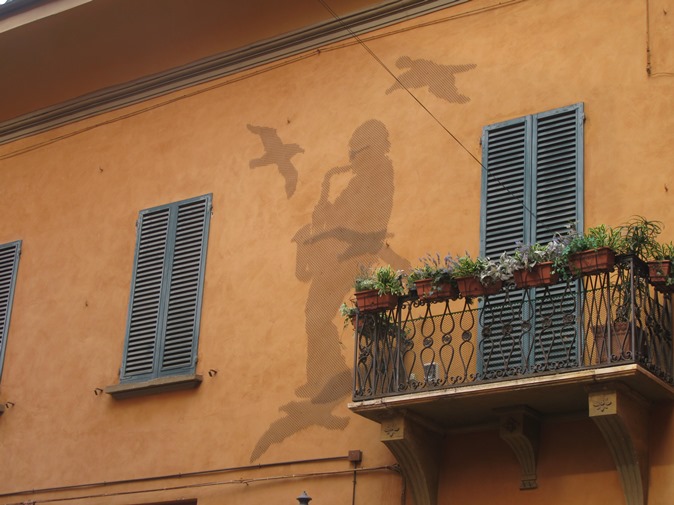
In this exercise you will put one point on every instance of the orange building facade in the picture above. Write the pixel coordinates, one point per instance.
(189, 191)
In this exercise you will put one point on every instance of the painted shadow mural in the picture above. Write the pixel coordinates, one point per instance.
(343, 234)
(439, 79)
(347, 230)
(277, 153)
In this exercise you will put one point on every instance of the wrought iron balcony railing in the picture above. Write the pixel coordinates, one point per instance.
(601, 320)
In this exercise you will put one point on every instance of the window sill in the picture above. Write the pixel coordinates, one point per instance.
(154, 386)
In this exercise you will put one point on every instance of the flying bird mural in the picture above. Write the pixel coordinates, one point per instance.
(277, 153)
(439, 79)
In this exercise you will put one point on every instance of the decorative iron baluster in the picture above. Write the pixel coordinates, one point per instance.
(598, 320)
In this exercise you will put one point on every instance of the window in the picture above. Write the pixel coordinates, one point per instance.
(9, 263)
(166, 290)
(531, 189)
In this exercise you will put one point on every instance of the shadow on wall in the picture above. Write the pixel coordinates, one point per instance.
(277, 153)
(439, 79)
(343, 234)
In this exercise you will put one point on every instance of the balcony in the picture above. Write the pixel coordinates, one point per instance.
(601, 344)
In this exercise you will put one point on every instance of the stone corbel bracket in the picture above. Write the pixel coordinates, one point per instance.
(622, 417)
(520, 428)
(416, 446)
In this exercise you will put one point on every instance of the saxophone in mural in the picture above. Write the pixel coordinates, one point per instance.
(343, 234)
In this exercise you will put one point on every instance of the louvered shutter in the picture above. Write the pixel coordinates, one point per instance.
(503, 187)
(165, 303)
(504, 223)
(557, 170)
(9, 263)
(531, 189)
(557, 150)
(184, 287)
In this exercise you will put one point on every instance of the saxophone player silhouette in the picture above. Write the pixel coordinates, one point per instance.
(343, 234)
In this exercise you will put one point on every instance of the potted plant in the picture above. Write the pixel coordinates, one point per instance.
(535, 264)
(482, 276)
(639, 237)
(379, 288)
(594, 251)
(660, 267)
(433, 280)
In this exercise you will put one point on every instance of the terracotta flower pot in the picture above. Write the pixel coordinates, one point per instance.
(471, 286)
(442, 291)
(621, 342)
(371, 301)
(659, 271)
(539, 275)
(594, 261)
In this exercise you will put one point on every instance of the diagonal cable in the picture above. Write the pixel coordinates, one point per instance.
(388, 70)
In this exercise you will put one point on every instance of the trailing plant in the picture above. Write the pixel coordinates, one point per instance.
(384, 279)
(348, 312)
(499, 270)
(527, 256)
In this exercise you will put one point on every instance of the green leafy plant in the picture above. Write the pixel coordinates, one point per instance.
(663, 252)
(527, 256)
(596, 237)
(384, 279)
(639, 237)
(348, 312)
(487, 270)
(465, 266)
(440, 270)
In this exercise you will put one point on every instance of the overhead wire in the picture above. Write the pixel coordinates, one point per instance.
(421, 104)
(243, 481)
(265, 69)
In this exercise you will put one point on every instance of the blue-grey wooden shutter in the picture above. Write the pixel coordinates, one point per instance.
(531, 189)
(504, 221)
(506, 167)
(166, 291)
(184, 288)
(9, 264)
(558, 148)
(558, 200)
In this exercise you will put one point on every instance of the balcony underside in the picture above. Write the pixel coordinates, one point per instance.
(476, 406)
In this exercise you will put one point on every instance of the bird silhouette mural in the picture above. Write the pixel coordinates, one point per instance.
(277, 153)
(439, 79)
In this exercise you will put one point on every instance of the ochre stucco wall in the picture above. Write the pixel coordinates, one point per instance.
(72, 195)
